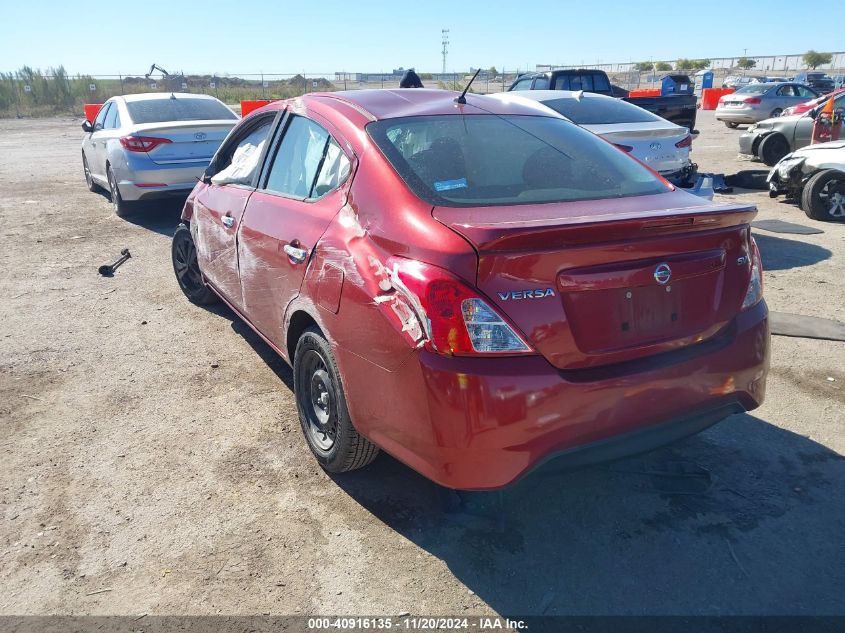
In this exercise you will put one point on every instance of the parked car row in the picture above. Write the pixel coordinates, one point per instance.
(760, 101)
(814, 79)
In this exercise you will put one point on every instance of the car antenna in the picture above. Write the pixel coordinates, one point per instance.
(462, 99)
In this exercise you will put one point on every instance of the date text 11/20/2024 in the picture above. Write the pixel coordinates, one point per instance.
(418, 623)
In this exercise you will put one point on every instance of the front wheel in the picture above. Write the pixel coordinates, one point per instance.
(321, 405)
(823, 197)
(772, 148)
(187, 269)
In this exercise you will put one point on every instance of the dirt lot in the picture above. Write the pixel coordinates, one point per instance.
(151, 448)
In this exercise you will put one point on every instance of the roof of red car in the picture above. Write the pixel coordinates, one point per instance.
(391, 104)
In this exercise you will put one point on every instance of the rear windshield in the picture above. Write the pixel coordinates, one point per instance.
(177, 109)
(597, 111)
(755, 89)
(589, 82)
(489, 160)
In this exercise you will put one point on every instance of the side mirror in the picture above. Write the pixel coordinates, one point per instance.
(86, 126)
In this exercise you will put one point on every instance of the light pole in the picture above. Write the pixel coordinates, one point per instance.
(445, 36)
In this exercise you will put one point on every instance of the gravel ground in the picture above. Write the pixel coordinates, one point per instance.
(151, 448)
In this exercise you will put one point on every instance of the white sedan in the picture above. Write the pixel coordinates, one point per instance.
(660, 144)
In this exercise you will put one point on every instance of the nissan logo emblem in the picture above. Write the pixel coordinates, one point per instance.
(662, 274)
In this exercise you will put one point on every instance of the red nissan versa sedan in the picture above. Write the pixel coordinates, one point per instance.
(475, 287)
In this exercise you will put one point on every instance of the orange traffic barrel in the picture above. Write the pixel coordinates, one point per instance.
(710, 97)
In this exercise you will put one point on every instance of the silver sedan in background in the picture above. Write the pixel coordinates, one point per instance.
(757, 102)
(152, 145)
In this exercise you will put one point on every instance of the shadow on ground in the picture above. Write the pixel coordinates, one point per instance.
(783, 254)
(160, 216)
(759, 531)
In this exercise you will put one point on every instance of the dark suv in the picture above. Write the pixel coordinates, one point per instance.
(817, 80)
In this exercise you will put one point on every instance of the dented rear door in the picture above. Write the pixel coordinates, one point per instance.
(304, 186)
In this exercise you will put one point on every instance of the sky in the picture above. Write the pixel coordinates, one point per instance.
(325, 36)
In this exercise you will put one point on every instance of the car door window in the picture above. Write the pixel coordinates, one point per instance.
(308, 162)
(541, 83)
(240, 162)
(523, 84)
(562, 82)
(111, 119)
(785, 91)
(101, 116)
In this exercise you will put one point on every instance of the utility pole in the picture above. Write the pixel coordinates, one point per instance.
(445, 37)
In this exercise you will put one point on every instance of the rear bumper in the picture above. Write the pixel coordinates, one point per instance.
(142, 179)
(477, 424)
(740, 116)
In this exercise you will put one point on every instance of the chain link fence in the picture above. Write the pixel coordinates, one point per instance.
(29, 92)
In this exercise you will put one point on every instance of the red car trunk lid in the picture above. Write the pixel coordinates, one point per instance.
(604, 281)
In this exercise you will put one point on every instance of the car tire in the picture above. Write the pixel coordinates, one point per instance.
(772, 148)
(121, 207)
(776, 113)
(89, 179)
(731, 124)
(321, 405)
(183, 253)
(823, 197)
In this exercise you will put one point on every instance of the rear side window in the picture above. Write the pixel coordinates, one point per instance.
(309, 163)
(487, 160)
(522, 84)
(541, 83)
(177, 109)
(598, 111)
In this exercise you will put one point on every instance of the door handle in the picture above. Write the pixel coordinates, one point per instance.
(228, 221)
(297, 255)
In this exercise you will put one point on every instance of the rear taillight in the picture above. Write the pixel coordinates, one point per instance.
(684, 142)
(752, 100)
(624, 148)
(142, 143)
(455, 318)
(755, 283)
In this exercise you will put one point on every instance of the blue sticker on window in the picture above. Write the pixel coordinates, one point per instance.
(445, 185)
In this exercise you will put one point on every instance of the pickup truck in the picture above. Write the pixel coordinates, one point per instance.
(679, 109)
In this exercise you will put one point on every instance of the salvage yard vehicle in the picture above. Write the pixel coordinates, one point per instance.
(817, 80)
(660, 144)
(801, 108)
(772, 139)
(814, 176)
(680, 109)
(475, 286)
(757, 102)
(153, 145)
